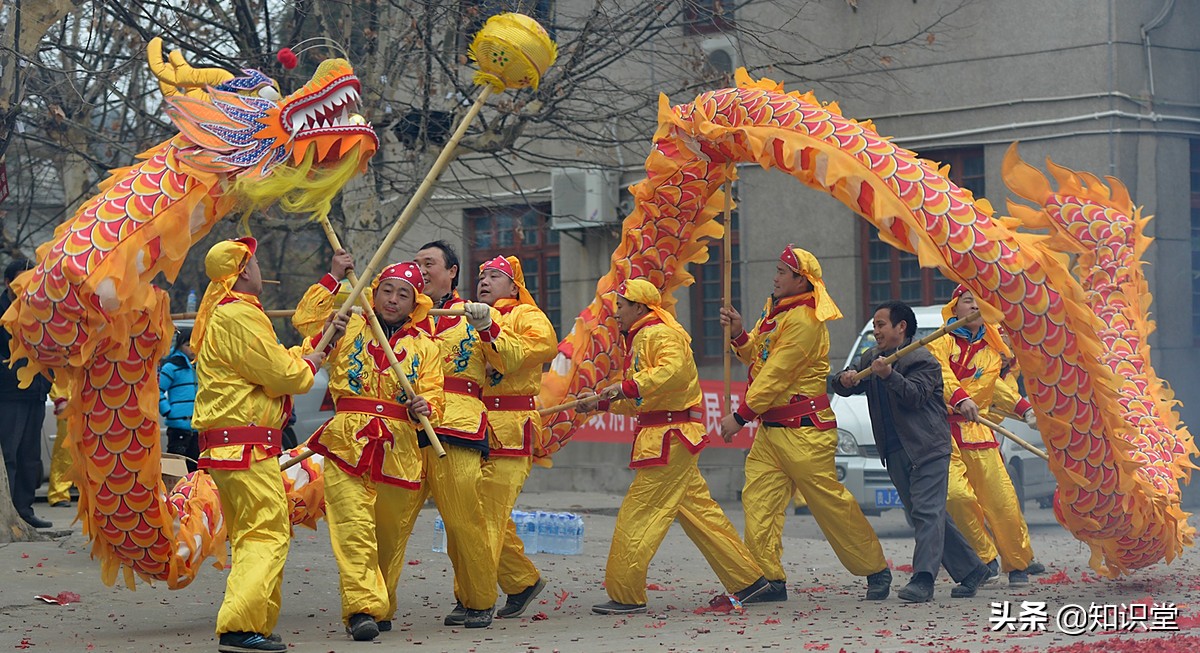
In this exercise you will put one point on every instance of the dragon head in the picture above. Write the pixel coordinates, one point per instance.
(242, 125)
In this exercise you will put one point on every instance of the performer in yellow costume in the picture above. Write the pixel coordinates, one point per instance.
(468, 345)
(980, 489)
(513, 425)
(788, 355)
(244, 382)
(662, 388)
(372, 464)
(58, 492)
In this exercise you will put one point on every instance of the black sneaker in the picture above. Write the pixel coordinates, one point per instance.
(612, 607)
(478, 618)
(879, 585)
(1035, 568)
(993, 571)
(756, 591)
(918, 590)
(384, 626)
(362, 627)
(275, 637)
(970, 585)
(1018, 577)
(247, 643)
(457, 616)
(517, 603)
(61, 504)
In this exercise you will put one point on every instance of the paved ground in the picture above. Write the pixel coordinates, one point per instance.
(825, 611)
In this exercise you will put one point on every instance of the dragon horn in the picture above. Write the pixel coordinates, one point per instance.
(178, 75)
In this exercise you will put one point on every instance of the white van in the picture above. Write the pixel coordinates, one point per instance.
(857, 460)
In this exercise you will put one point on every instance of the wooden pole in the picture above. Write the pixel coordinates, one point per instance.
(382, 339)
(574, 403)
(292, 462)
(727, 289)
(439, 312)
(914, 345)
(1013, 436)
(410, 210)
(192, 315)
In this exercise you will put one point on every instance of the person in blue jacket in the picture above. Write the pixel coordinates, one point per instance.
(177, 393)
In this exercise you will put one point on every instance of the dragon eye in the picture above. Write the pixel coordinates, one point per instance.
(269, 93)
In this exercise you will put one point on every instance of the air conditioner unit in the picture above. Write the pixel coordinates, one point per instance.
(582, 198)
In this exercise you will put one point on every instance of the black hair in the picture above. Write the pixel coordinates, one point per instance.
(448, 255)
(183, 335)
(901, 312)
(17, 266)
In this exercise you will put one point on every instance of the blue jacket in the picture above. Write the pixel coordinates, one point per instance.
(177, 390)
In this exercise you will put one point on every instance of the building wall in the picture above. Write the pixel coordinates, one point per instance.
(1069, 80)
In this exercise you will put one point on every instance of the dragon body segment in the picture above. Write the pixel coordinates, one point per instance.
(1020, 281)
(88, 312)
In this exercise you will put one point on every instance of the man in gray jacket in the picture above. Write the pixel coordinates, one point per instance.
(908, 419)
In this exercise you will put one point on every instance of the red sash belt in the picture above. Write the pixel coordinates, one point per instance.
(377, 407)
(461, 386)
(799, 407)
(665, 417)
(509, 402)
(226, 436)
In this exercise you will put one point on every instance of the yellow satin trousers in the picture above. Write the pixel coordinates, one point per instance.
(786, 460)
(981, 499)
(657, 497)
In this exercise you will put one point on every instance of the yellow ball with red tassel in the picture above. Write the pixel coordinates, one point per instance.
(513, 51)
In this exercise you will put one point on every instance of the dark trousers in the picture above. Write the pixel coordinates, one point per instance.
(21, 440)
(922, 489)
(184, 442)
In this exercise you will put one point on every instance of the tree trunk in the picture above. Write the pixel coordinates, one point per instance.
(12, 527)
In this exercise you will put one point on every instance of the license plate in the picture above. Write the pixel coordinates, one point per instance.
(888, 498)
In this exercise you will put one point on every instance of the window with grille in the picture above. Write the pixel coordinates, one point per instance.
(523, 232)
(890, 274)
(708, 336)
(707, 16)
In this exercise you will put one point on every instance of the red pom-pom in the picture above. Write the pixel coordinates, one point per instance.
(287, 58)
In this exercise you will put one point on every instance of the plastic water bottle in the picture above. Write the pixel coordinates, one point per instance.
(527, 530)
(191, 301)
(575, 530)
(439, 535)
(545, 532)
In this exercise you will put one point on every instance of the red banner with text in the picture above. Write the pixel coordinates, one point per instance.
(610, 427)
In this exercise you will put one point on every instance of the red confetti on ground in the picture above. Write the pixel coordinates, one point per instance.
(62, 598)
(1188, 622)
(905, 568)
(719, 605)
(655, 587)
(24, 555)
(541, 616)
(414, 562)
(25, 643)
(1059, 578)
(771, 621)
(813, 646)
(562, 598)
(657, 624)
(1171, 644)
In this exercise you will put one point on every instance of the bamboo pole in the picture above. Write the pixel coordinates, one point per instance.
(296, 461)
(382, 339)
(727, 290)
(410, 210)
(574, 403)
(914, 345)
(440, 312)
(1013, 436)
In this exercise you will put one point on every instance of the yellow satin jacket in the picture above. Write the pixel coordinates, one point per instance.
(370, 435)
(514, 429)
(244, 377)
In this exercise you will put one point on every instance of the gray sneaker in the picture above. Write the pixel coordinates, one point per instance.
(1018, 577)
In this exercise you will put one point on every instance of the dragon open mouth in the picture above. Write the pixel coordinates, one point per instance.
(330, 111)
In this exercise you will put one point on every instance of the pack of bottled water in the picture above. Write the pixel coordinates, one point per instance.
(560, 532)
(540, 532)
